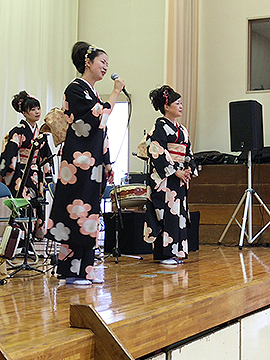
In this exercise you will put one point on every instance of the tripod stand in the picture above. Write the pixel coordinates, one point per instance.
(247, 211)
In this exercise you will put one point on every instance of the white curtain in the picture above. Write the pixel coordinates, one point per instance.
(36, 41)
(181, 56)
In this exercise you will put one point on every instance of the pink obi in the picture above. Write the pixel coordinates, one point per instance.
(177, 152)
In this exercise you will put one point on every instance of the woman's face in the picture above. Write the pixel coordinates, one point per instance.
(33, 114)
(99, 66)
(175, 109)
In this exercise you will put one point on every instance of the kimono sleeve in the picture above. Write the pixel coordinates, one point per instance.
(9, 155)
(158, 151)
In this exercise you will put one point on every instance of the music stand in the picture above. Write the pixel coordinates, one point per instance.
(25, 265)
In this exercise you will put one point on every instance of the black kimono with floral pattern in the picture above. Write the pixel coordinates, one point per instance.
(74, 218)
(15, 152)
(168, 148)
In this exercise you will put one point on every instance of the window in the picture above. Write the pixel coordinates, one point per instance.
(118, 140)
(259, 55)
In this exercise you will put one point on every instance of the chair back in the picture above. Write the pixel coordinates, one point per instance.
(4, 191)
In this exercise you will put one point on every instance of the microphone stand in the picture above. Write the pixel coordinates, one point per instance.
(119, 219)
(25, 265)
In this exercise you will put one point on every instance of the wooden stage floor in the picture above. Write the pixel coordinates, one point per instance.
(147, 306)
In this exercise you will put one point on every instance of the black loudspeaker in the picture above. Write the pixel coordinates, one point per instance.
(246, 126)
(130, 238)
(193, 231)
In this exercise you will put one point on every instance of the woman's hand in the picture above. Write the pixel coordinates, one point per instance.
(119, 84)
(109, 173)
(184, 174)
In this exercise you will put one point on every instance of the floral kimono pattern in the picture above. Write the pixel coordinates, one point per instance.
(15, 151)
(167, 215)
(74, 218)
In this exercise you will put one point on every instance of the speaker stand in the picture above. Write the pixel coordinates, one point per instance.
(247, 212)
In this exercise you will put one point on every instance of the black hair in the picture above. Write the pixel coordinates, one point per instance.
(23, 102)
(79, 52)
(161, 96)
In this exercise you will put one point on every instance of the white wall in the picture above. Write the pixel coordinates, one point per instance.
(222, 77)
(132, 33)
(36, 39)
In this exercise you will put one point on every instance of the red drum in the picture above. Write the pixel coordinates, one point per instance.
(131, 196)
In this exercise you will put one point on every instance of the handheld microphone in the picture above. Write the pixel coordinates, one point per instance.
(187, 161)
(114, 76)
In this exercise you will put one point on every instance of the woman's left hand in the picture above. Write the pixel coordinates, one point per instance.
(184, 175)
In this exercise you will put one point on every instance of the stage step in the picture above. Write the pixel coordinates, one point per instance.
(216, 192)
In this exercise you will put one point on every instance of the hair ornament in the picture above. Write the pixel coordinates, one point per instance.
(90, 50)
(166, 95)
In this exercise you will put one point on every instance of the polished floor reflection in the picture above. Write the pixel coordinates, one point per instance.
(214, 285)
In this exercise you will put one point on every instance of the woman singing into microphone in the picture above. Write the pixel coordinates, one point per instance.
(168, 147)
(74, 219)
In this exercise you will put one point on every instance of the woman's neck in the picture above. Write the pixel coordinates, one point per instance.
(31, 123)
(172, 119)
(89, 79)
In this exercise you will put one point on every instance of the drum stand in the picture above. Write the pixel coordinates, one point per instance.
(118, 219)
(247, 212)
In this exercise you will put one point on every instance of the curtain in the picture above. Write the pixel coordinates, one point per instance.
(36, 41)
(181, 56)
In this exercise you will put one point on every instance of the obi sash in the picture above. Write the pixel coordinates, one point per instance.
(177, 152)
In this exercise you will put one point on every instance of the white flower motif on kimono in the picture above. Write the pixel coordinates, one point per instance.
(87, 96)
(160, 214)
(65, 252)
(179, 254)
(67, 173)
(166, 239)
(34, 178)
(169, 170)
(81, 128)
(60, 232)
(155, 149)
(163, 186)
(83, 160)
(170, 195)
(185, 246)
(97, 173)
(8, 178)
(90, 225)
(174, 207)
(155, 176)
(2, 165)
(185, 203)
(75, 266)
(146, 232)
(148, 192)
(90, 273)
(78, 209)
(168, 130)
(182, 222)
(105, 145)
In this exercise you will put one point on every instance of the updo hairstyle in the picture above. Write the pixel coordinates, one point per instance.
(162, 96)
(81, 51)
(23, 102)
